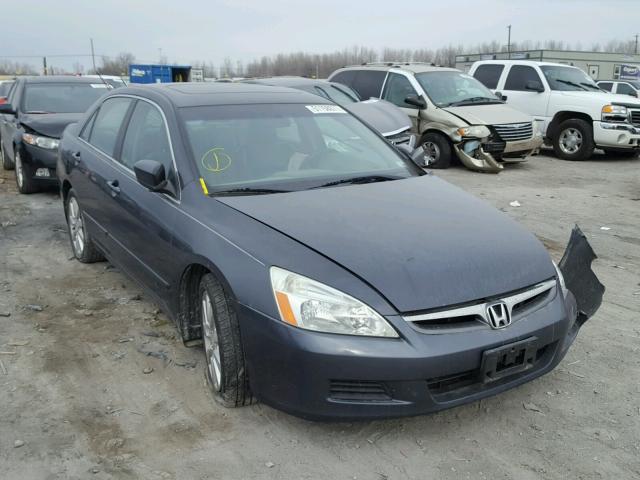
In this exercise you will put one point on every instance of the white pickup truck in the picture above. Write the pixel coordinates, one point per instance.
(573, 113)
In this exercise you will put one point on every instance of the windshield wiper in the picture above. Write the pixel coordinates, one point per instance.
(359, 180)
(247, 191)
(573, 84)
(475, 100)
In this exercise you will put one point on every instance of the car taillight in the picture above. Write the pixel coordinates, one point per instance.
(3, 100)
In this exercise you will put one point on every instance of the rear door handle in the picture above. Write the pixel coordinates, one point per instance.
(114, 186)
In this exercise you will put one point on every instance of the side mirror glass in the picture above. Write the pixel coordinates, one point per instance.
(534, 86)
(7, 109)
(150, 174)
(415, 101)
(501, 96)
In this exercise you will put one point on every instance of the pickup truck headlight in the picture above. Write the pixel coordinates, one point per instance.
(475, 131)
(42, 142)
(311, 305)
(614, 113)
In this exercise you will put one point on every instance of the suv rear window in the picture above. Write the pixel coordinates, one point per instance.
(368, 83)
(518, 77)
(489, 74)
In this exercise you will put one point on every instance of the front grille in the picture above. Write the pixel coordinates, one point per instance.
(494, 147)
(513, 132)
(358, 391)
(635, 117)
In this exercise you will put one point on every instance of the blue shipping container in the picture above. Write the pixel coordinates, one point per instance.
(159, 73)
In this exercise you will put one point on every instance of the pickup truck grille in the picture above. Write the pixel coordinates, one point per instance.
(513, 132)
(635, 117)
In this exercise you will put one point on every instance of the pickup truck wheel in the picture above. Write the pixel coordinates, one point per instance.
(24, 176)
(574, 140)
(225, 369)
(437, 150)
(7, 164)
(83, 248)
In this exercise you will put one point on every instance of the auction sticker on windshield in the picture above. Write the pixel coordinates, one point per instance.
(325, 109)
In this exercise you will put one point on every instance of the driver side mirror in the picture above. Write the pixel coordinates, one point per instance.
(534, 86)
(7, 109)
(501, 96)
(150, 174)
(415, 101)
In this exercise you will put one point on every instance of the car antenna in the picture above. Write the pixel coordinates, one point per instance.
(95, 69)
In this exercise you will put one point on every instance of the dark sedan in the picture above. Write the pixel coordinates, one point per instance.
(325, 273)
(32, 120)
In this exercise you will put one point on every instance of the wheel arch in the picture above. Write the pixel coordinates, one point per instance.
(564, 115)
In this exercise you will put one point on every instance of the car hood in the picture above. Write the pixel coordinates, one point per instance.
(600, 98)
(421, 242)
(49, 124)
(494, 114)
(383, 116)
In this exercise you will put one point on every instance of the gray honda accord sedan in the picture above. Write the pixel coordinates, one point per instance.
(323, 272)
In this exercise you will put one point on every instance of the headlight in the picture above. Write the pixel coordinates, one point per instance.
(42, 142)
(308, 304)
(614, 113)
(476, 131)
(563, 286)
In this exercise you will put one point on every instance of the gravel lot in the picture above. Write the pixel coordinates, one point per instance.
(76, 341)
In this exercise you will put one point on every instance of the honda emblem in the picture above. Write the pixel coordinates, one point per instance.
(498, 315)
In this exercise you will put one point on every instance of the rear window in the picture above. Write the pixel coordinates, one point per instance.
(606, 86)
(489, 75)
(5, 88)
(61, 97)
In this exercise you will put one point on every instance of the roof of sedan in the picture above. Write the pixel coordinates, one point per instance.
(216, 93)
(60, 79)
(288, 81)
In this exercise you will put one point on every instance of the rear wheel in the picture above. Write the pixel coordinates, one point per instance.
(24, 175)
(225, 369)
(437, 150)
(7, 164)
(83, 247)
(574, 140)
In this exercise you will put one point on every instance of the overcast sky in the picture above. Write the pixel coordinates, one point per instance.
(210, 30)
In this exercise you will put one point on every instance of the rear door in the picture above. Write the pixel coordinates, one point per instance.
(519, 97)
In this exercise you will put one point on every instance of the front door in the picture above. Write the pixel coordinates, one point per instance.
(519, 97)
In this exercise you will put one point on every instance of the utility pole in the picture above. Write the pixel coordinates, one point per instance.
(509, 41)
(93, 57)
(44, 65)
(636, 43)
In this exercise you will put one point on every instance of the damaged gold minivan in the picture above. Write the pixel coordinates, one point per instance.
(452, 112)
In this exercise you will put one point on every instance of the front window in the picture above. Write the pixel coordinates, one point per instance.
(451, 88)
(568, 79)
(61, 97)
(242, 148)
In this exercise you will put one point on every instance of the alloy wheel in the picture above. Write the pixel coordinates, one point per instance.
(431, 153)
(76, 227)
(570, 141)
(211, 342)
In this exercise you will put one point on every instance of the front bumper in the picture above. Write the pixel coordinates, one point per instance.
(482, 160)
(616, 135)
(35, 158)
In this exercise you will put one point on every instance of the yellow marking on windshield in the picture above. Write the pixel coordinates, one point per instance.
(216, 160)
(204, 186)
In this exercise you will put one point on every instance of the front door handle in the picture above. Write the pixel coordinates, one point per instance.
(114, 186)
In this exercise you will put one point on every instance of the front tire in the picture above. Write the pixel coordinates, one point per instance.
(83, 247)
(225, 369)
(437, 150)
(7, 164)
(573, 140)
(24, 175)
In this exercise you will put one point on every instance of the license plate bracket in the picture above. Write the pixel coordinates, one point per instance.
(508, 359)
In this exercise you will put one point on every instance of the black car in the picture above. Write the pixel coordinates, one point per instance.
(32, 120)
(325, 273)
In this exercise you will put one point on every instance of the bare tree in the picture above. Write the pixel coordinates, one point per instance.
(119, 65)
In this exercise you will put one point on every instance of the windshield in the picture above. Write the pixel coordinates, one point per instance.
(61, 97)
(568, 79)
(286, 147)
(452, 88)
(335, 94)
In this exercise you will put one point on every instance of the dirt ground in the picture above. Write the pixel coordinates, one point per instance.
(78, 398)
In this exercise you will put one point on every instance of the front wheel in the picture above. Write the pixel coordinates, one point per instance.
(24, 175)
(437, 150)
(225, 369)
(574, 140)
